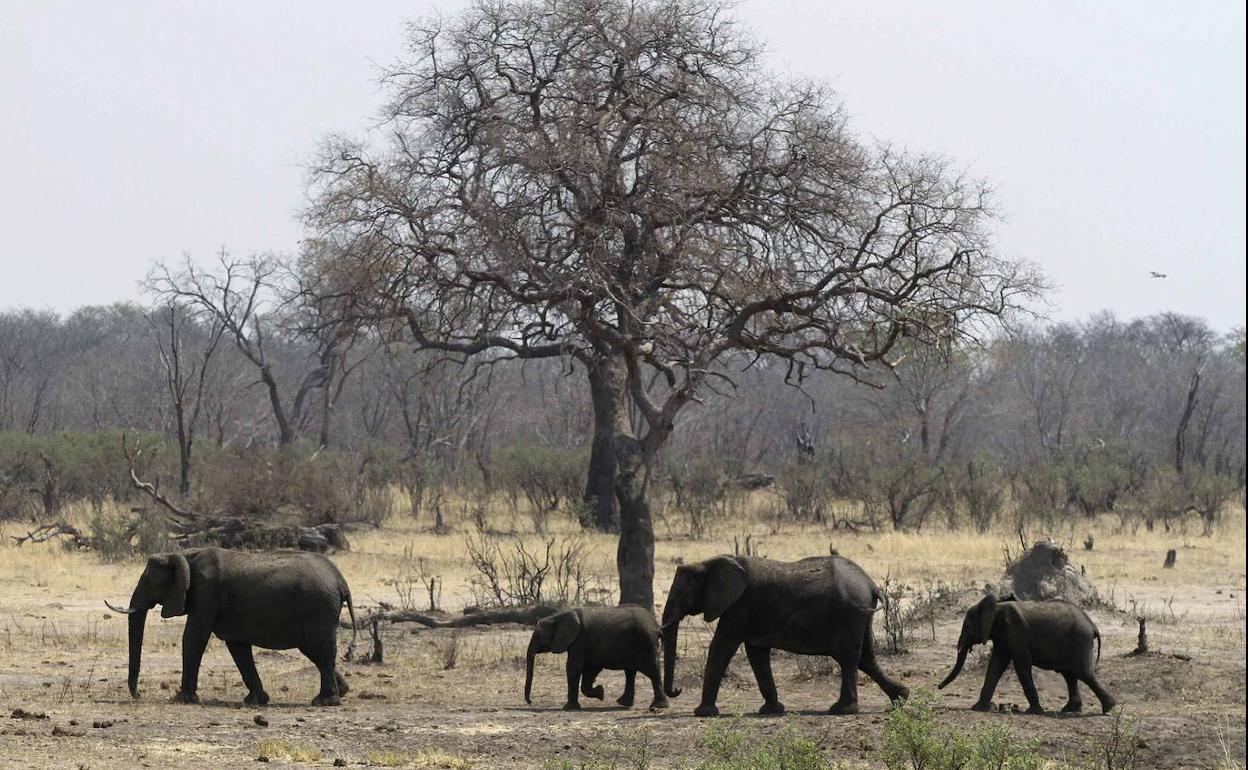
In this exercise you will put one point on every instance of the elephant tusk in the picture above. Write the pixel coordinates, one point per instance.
(122, 610)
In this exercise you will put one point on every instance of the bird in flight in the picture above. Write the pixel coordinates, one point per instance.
(1155, 274)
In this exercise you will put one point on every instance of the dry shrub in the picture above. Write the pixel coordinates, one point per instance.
(510, 573)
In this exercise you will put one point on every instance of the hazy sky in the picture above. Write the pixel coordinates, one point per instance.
(1113, 132)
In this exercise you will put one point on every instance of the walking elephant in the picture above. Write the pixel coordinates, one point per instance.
(816, 606)
(1054, 635)
(624, 638)
(279, 601)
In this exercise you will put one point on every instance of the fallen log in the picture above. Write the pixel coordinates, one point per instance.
(191, 529)
(48, 531)
(526, 616)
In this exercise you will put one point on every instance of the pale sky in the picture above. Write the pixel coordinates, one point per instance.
(1113, 132)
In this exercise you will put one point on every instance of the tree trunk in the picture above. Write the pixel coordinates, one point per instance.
(1180, 435)
(608, 391)
(285, 434)
(634, 557)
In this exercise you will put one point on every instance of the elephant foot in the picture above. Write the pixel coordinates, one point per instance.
(572, 706)
(258, 698)
(1072, 707)
(706, 710)
(1108, 705)
(773, 708)
(844, 707)
(658, 704)
(625, 702)
(982, 706)
(326, 700)
(182, 696)
(341, 683)
(900, 695)
(1035, 709)
(596, 693)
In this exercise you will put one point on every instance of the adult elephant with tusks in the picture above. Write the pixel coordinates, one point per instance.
(279, 601)
(816, 606)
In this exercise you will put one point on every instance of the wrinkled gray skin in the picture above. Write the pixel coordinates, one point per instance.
(816, 606)
(624, 638)
(279, 601)
(1054, 635)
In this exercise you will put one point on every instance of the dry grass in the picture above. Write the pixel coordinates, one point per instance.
(418, 759)
(62, 651)
(288, 750)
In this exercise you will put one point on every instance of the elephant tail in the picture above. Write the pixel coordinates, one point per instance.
(346, 597)
(1096, 632)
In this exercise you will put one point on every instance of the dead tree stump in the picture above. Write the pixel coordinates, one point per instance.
(378, 654)
(1171, 556)
(1141, 644)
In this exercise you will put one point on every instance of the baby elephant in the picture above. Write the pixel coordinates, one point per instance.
(624, 638)
(1054, 635)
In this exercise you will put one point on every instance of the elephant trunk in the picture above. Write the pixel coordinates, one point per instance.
(528, 672)
(671, 625)
(957, 667)
(137, 621)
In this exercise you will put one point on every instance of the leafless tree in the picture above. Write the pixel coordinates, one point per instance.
(187, 367)
(623, 184)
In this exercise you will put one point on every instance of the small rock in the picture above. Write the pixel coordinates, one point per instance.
(74, 722)
(261, 720)
(65, 732)
(340, 762)
(102, 724)
(262, 758)
(21, 713)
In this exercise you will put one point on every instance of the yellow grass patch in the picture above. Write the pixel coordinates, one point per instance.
(291, 751)
(428, 758)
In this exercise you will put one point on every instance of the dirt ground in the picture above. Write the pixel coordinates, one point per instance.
(454, 699)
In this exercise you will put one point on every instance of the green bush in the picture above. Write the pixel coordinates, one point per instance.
(914, 740)
(734, 747)
(546, 477)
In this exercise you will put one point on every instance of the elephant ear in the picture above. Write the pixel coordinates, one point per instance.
(725, 582)
(173, 603)
(567, 628)
(987, 613)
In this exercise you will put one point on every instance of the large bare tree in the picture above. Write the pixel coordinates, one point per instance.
(623, 183)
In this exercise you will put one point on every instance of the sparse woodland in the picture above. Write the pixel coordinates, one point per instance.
(599, 296)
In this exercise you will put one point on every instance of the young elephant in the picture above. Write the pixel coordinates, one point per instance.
(279, 601)
(1054, 635)
(624, 638)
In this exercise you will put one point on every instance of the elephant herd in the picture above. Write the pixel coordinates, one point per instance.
(815, 606)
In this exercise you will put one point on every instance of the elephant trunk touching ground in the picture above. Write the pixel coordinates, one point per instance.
(957, 667)
(137, 610)
(528, 671)
(671, 624)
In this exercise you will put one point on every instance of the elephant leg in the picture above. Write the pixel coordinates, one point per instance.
(194, 642)
(588, 689)
(650, 669)
(322, 653)
(1022, 667)
(630, 683)
(847, 703)
(868, 665)
(573, 668)
(241, 653)
(997, 665)
(1094, 684)
(718, 656)
(760, 662)
(1074, 704)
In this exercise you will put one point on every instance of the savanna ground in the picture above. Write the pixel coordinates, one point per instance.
(454, 698)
